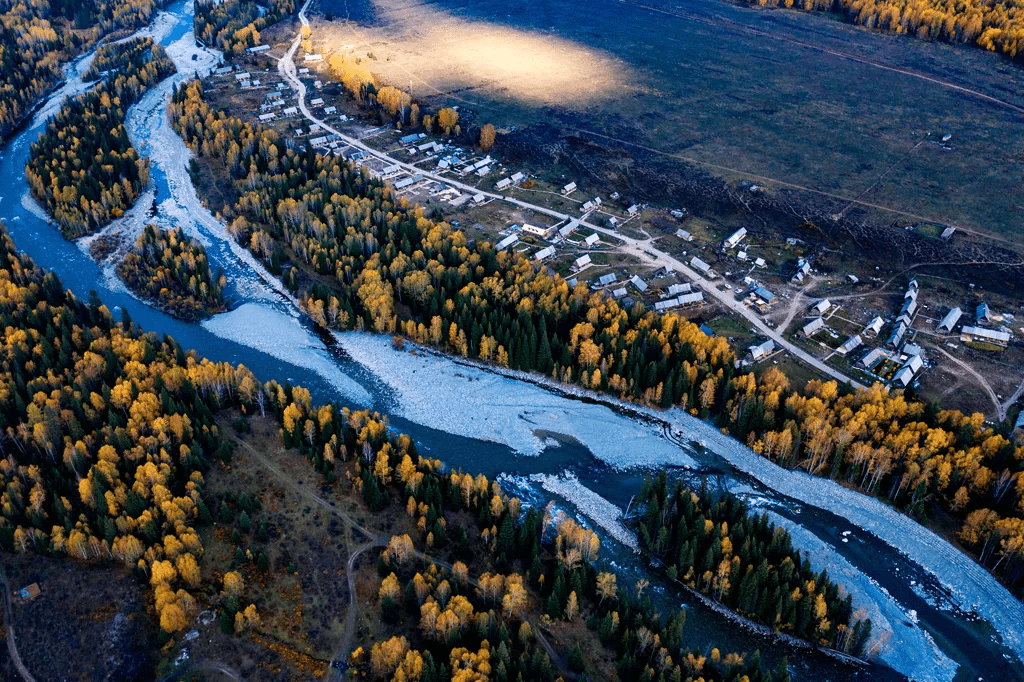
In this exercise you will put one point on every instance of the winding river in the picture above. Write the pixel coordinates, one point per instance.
(589, 454)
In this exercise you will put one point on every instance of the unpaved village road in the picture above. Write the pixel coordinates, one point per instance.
(642, 250)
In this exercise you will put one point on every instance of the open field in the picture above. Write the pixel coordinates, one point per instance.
(876, 292)
(89, 622)
(844, 133)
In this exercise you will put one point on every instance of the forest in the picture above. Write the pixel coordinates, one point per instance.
(998, 27)
(746, 563)
(37, 38)
(360, 259)
(235, 25)
(132, 418)
(83, 169)
(171, 268)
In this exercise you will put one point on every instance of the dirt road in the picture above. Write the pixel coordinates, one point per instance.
(643, 250)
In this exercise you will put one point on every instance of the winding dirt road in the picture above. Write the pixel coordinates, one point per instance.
(12, 647)
(377, 540)
(643, 250)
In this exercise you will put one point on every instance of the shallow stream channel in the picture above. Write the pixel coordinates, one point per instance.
(935, 613)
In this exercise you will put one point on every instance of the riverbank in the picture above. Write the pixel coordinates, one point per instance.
(271, 322)
(428, 383)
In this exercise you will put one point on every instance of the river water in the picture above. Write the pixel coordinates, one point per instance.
(591, 457)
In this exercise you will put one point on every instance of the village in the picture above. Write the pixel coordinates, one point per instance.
(902, 333)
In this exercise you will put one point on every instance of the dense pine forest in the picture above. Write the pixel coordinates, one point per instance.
(235, 25)
(112, 431)
(83, 169)
(998, 27)
(745, 562)
(359, 260)
(171, 268)
(36, 38)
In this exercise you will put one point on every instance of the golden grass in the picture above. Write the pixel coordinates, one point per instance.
(440, 53)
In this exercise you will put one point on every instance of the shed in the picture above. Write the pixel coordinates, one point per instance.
(761, 350)
(915, 363)
(850, 344)
(950, 320)
(874, 326)
(544, 253)
(542, 232)
(903, 377)
(735, 238)
(999, 338)
(896, 338)
(872, 358)
(813, 327)
(683, 288)
(29, 592)
(982, 315)
(698, 264)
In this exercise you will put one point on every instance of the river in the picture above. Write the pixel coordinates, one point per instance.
(542, 442)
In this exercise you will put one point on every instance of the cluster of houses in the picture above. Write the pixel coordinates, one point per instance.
(818, 308)
(803, 268)
(908, 358)
(979, 331)
(514, 180)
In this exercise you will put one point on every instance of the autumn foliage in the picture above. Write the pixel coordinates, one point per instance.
(171, 268)
(993, 26)
(364, 260)
(37, 37)
(235, 25)
(83, 169)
